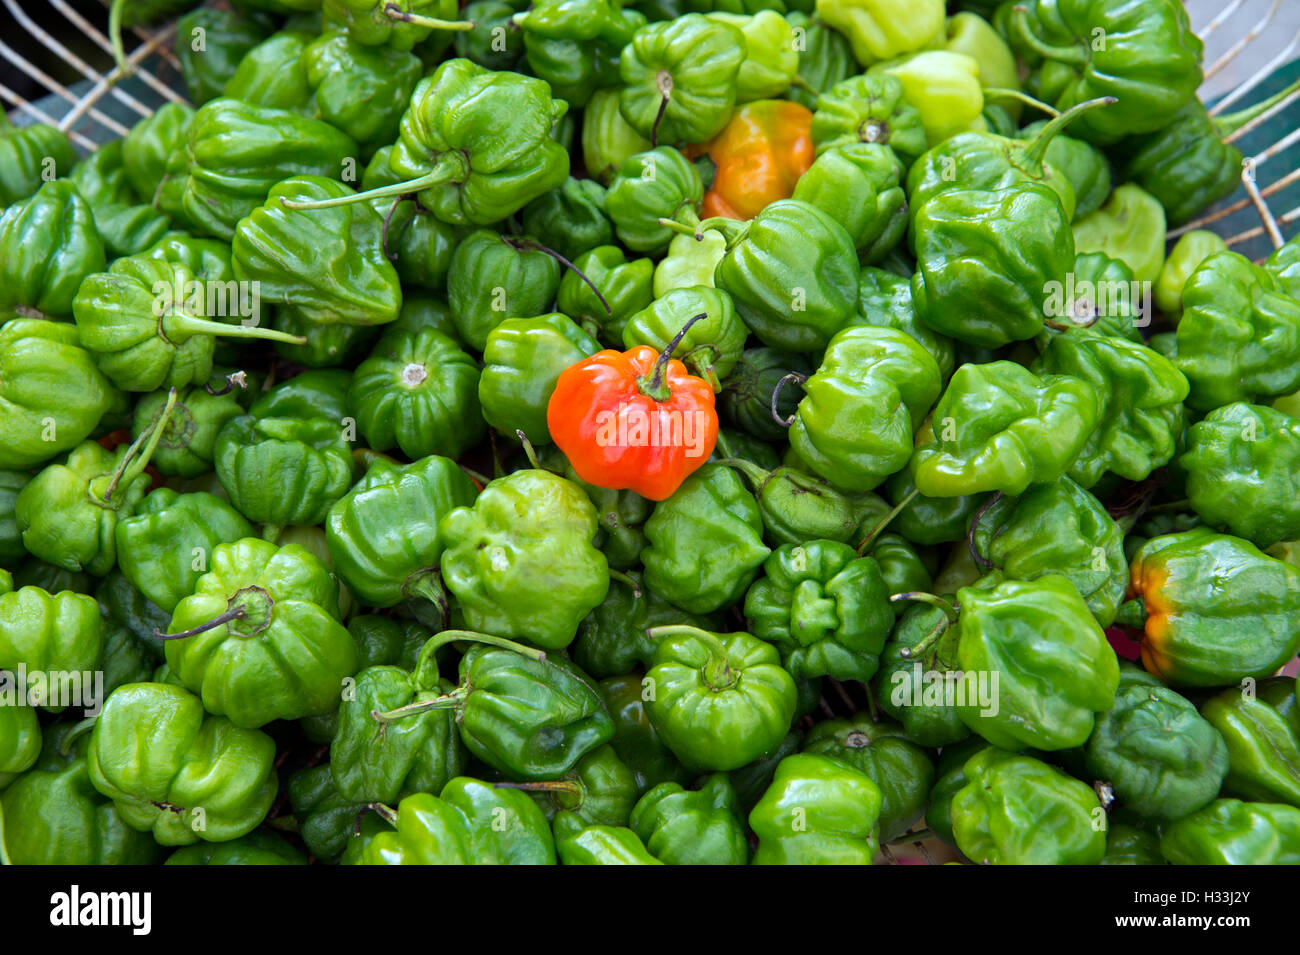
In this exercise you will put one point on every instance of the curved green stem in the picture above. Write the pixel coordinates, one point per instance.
(444, 173)
(980, 560)
(724, 445)
(438, 641)
(115, 35)
(1002, 92)
(205, 326)
(1227, 125)
(776, 394)
(136, 458)
(929, 640)
(949, 610)
(885, 521)
(571, 786)
(1036, 154)
(234, 613)
(757, 476)
(427, 584)
(450, 701)
(521, 243)
(653, 385)
(625, 579)
(384, 812)
(529, 451)
(1074, 55)
(78, 731)
(394, 12)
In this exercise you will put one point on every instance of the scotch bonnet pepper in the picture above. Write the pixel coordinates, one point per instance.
(1262, 731)
(869, 109)
(48, 245)
(817, 810)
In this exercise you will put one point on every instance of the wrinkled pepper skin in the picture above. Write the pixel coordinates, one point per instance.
(825, 57)
(869, 109)
(1161, 757)
(719, 700)
(125, 225)
(325, 818)
(23, 155)
(883, 29)
(521, 562)
(1218, 610)
(189, 437)
(1232, 832)
(151, 143)
(174, 770)
(1017, 810)
(710, 347)
(705, 542)
(817, 811)
(285, 658)
(579, 844)
(1055, 669)
(20, 742)
(692, 827)
(383, 534)
(625, 284)
(900, 768)
(493, 277)
(48, 245)
(859, 185)
(926, 714)
(227, 36)
(658, 183)
(600, 790)
(614, 639)
(256, 848)
(760, 155)
(826, 609)
(855, 423)
(1262, 731)
(283, 470)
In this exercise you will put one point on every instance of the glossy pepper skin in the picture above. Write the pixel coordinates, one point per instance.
(151, 143)
(383, 535)
(1217, 610)
(1000, 427)
(760, 155)
(690, 261)
(659, 183)
(869, 109)
(48, 245)
(614, 639)
(904, 690)
(360, 90)
(1232, 832)
(368, 24)
(1186, 257)
(1129, 227)
(579, 844)
(46, 378)
(165, 545)
(1104, 299)
(1082, 165)
(470, 823)
(417, 391)
(709, 348)
(868, 374)
(692, 827)
(771, 55)
(984, 261)
(329, 263)
(607, 139)
(793, 273)
(125, 225)
(283, 470)
(817, 811)
(570, 219)
(719, 700)
(1151, 61)
(20, 744)
(625, 284)
(859, 185)
(419, 244)
(256, 848)
(883, 29)
(23, 152)
(494, 277)
(798, 507)
(54, 816)
(325, 818)
(825, 57)
(705, 542)
(1237, 337)
(1017, 810)
(1161, 757)
(900, 768)
(621, 513)
(234, 153)
(1058, 528)
(746, 397)
(636, 741)
(573, 63)
(272, 74)
(600, 790)
(521, 562)
(1262, 731)
(825, 608)
(692, 62)
(227, 36)
(1240, 465)
(284, 657)
(1055, 669)
(522, 361)
(174, 770)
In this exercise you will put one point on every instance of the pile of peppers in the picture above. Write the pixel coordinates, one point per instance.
(674, 432)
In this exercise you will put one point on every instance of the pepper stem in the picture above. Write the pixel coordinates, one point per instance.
(66, 744)
(627, 580)
(529, 450)
(427, 583)
(950, 611)
(1132, 614)
(236, 379)
(443, 173)
(776, 394)
(547, 786)
(394, 12)
(115, 36)
(1001, 92)
(928, 641)
(526, 243)
(664, 83)
(980, 561)
(234, 613)
(386, 813)
(885, 521)
(1074, 55)
(271, 532)
(1228, 125)
(447, 702)
(136, 459)
(1036, 153)
(438, 641)
(653, 385)
(757, 476)
(202, 326)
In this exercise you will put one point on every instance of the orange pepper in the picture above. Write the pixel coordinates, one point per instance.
(760, 155)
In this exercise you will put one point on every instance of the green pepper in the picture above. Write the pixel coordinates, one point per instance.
(710, 347)
(1149, 59)
(287, 599)
(1053, 666)
(796, 506)
(1236, 339)
(383, 534)
(313, 394)
(570, 219)
(1099, 297)
(51, 394)
(522, 359)
(883, 29)
(371, 23)
(825, 608)
(29, 157)
(496, 42)
(361, 90)
(330, 265)
(48, 244)
(493, 277)
(20, 741)
(1161, 758)
(419, 392)
(692, 827)
(625, 286)
(913, 691)
(929, 520)
(607, 139)
(944, 87)
(384, 761)
(1129, 227)
(1000, 427)
(124, 606)
(859, 186)
(579, 844)
(127, 658)
(1057, 528)
(271, 74)
(1214, 609)
(950, 779)
(419, 244)
(771, 53)
(868, 109)
(1186, 257)
(718, 701)
(746, 396)
(817, 811)
(600, 790)
(583, 55)
(256, 848)
(172, 769)
(471, 823)
(705, 542)
(636, 741)
(325, 818)
(680, 78)
(825, 57)
(521, 562)
(1017, 810)
(793, 273)
(1129, 845)
(621, 514)
(282, 470)
(985, 261)
(1239, 464)
(1232, 832)
(148, 148)
(54, 816)
(11, 535)
(691, 260)
(124, 225)
(190, 431)
(210, 45)
(164, 546)
(1262, 730)
(885, 299)
(1081, 164)
(235, 152)
(614, 638)
(649, 186)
